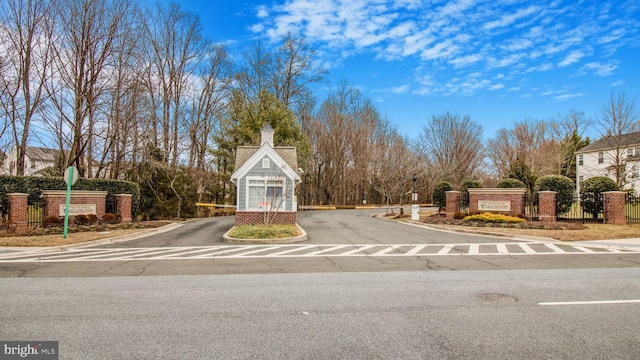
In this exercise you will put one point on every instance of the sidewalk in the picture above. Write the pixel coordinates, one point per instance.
(630, 244)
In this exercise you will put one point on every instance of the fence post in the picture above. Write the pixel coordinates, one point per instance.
(18, 209)
(547, 206)
(453, 199)
(124, 207)
(615, 207)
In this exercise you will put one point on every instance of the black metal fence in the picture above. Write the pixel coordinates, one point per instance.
(530, 207)
(586, 208)
(4, 213)
(633, 209)
(111, 205)
(35, 214)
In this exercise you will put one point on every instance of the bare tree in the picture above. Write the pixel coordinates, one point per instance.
(454, 145)
(529, 143)
(27, 32)
(618, 118)
(206, 109)
(89, 31)
(175, 48)
(569, 132)
(286, 72)
(394, 165)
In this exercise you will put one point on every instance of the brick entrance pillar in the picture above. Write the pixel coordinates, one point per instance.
(547, 206)
(615, 207)
(453, 199)
(124, 207)
(18, 208)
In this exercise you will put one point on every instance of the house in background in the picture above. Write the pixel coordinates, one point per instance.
(601, 157)
(265, 180)
(36, 161)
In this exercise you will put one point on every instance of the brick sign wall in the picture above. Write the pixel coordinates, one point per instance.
(508, 201)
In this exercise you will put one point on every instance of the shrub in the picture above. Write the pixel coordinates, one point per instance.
(564, 188)
(109, 218)
(93, 219)
(118, 218)
(458, 215)
(53, 221)
(590, 192)
(509, 183)
(471, 184)
(494, 218)
(81, 219)
(439, 196)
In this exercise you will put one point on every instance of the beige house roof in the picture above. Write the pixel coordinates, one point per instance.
(287, 153)
(41, 154)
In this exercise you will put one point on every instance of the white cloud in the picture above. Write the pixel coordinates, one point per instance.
(598, 69)
(466, 60)
(262, 12)
(509, 19)
(402, 89)
(509, 37)
(573, 57)
(257, 28)
(440, 50)
(541, 67)
(568, 96)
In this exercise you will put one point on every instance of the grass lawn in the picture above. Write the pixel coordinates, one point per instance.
(277, 231)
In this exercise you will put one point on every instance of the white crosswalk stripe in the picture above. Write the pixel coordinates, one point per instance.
(305, 251)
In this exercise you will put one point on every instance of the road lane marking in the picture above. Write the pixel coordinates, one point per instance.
(303, 250)
(315, 253)
(474, 249)
(386, 250)
(355, 251)
(598, 302)
(292, 250)
(445, 250)
(527, 249)
(555, 248)
(502, 249)
(416, 249)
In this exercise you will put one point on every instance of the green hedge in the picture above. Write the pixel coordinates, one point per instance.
(510, 183)
(564, 188)
(439, 196)
(590, 192)
(33, 185)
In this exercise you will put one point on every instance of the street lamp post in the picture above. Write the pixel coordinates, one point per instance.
(413, 194)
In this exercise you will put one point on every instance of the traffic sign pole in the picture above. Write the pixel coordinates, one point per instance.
(70, 181)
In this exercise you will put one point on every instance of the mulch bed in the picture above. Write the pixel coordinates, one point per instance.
(542, 225)
(74, 228)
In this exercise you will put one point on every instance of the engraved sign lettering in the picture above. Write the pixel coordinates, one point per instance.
(77, 209)
(487, 205)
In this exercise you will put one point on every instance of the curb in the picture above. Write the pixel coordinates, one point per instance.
(226, 238)
(105, 241)
(527, 238)
(121, 238)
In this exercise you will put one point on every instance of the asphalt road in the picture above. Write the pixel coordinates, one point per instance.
(330, 228)
(358, 288)
(523, 314)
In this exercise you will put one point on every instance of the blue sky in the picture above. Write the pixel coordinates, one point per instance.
(496, 61)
